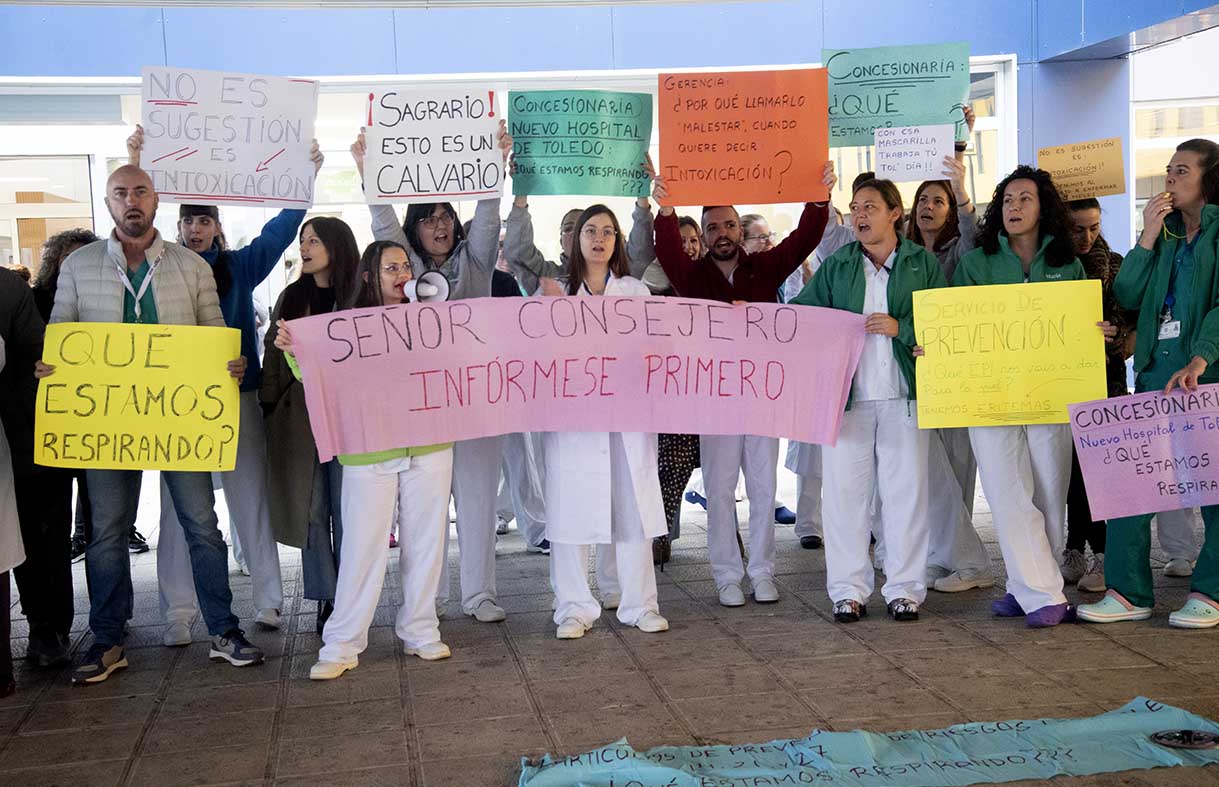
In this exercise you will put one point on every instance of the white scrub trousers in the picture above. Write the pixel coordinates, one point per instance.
(476, 467)
(1025, 471)
(421, 483)
(880, 449)
(622, 567)
(955, 544)
(723, 459)
(245, 494)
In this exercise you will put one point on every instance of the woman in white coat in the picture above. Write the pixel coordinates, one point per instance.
(602, 487)
(12, 553)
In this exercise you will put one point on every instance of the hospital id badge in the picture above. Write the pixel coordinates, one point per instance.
(1170, 329)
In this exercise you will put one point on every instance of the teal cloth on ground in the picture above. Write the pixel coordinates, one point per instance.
(964, 754)
(895, 86)
(580, 142)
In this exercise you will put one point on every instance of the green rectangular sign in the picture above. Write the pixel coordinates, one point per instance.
(580, 142)
(893, 86)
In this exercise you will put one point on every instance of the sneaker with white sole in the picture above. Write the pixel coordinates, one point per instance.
(731, 595)
(1113, 608)
(965, 579)
(99, 663)
(540, 548)
(1074, 565)
(652, 623)
(1199, 612)
(329, 670)
(233, 647)
(570, 628)
(268, 619)
(431, 651)
(1094, 580)
(487, 611)
(1179, 567)
(765, 591)
(176, 634)
(611, 601)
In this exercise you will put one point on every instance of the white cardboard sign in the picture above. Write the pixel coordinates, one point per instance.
(913, 152)
(221, 138)
(431, 146)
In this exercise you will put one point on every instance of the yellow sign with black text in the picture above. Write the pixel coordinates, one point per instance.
(138, 397)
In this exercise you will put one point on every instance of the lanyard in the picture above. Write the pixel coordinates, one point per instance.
(584, 284)
(126, 280)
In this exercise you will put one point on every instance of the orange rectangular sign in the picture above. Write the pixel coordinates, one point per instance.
(747, 137)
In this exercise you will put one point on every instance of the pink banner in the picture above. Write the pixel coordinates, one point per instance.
(418, 374)
(1149, 452)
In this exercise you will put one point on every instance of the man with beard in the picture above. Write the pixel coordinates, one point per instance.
(728, 273)
(134, 276)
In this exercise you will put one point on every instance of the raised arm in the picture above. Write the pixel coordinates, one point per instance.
(778, 263)
(523, 256)
(640, 245)
(677, 265)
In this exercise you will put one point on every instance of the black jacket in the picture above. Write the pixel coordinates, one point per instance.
(23, 331)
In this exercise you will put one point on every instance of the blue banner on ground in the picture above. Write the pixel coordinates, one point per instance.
(964, 754)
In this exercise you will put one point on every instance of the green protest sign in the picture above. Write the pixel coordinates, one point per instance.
(893, 86)
(580, 142)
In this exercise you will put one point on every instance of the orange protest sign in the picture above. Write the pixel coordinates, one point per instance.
(749, 137)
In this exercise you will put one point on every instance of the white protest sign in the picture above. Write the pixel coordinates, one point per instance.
(219, 138)
(913, 152)
(431, 146)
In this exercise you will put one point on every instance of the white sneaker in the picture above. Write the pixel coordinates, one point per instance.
(432, 651)
(244, 569)
(1178, 567)
(765, 591)
(268, 619)
(652, 623)
(934, 574)
(329, 670)
(487, 611)
(177, 634)
(611, 601)
(731, 595)
(1074, 565)
(1094, 580)
(570, 628)
(965, 579)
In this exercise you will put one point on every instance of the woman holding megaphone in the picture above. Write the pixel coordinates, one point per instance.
(436, 241)
(414, 480)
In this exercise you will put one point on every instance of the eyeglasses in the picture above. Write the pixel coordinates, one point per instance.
(434, 221)
(768, 236)
(592, 234)
(393, 269)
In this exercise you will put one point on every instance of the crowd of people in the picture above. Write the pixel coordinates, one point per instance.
(887, 497)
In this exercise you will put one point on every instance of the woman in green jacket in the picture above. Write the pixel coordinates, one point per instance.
(1172, 278)
(880, 447)
(1025, 469)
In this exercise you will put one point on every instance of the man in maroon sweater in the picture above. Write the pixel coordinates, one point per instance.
(726, 272)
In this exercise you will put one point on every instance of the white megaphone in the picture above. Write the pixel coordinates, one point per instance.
(431, 286)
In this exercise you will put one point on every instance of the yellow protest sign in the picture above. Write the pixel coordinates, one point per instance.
(1086, 169)
(138, 397)
(1008, 354)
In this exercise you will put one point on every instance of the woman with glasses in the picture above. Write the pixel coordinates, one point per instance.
(602, 487)
(412, 480)
(435, 240)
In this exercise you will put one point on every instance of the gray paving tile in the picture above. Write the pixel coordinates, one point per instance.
(242, 764)
(339, 753)
(166, 735)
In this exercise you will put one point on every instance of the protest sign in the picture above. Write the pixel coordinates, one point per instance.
(890, 86)
(980, 752)
(580, 142)
(218, 138)
(138, 397)
(1008, 354)
(1086, 169)
(1149, 452)
(431, 145)
(913, 152)
(748, 137)
(417, 374)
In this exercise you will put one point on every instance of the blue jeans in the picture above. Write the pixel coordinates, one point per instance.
(320, 557)
(115, 496)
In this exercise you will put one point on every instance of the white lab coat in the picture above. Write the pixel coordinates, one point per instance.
(12, 552)
(578, 487)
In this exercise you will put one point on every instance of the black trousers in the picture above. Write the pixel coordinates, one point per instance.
(44, 580)
(1081, 529)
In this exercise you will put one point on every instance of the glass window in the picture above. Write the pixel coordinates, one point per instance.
(39, 197)
(1158, 130)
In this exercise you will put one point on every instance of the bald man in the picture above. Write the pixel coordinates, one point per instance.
(134, 276)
